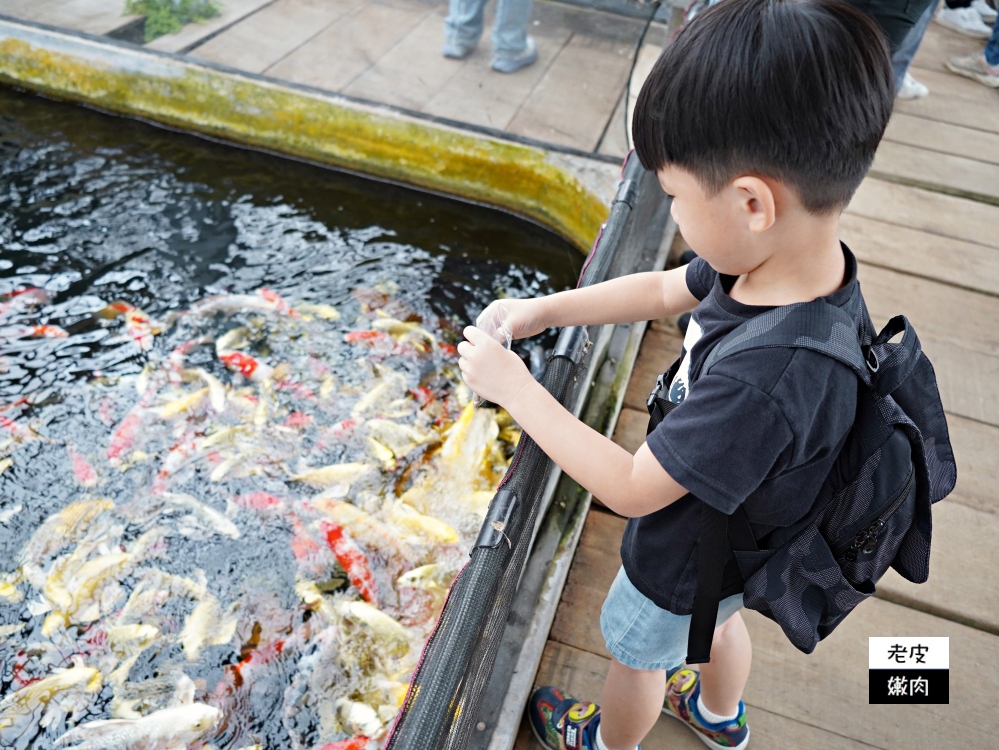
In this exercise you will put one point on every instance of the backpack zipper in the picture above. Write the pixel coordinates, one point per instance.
(867, 538)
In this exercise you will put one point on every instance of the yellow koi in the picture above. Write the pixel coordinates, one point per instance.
(326, 312)
(35, 697)
(207, 625)
(334, 474)
(187, 403)
(427, 527)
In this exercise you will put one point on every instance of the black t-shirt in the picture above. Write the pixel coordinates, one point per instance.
(763, 428)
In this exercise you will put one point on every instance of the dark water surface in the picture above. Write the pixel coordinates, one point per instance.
(96, 210)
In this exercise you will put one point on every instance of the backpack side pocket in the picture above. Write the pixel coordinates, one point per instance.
(801, 587)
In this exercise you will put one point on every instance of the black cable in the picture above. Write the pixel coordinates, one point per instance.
(631, 71)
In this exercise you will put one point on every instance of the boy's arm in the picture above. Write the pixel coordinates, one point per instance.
(639, 296)
(630, 485)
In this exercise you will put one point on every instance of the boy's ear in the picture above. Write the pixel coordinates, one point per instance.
(756, 201)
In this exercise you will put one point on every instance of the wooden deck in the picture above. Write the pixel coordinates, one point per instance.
(389, 51)
(925, 227)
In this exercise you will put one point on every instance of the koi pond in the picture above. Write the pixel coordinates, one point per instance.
(238, 466)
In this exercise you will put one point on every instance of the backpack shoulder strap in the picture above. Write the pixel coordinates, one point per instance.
(814, 325)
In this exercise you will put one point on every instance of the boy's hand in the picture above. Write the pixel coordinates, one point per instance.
(491, 370)
(525, 317)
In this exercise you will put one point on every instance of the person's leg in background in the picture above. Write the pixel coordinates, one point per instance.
(907, 87)
(984, 67)
(969, 17)
(513, 49)
(463, 27)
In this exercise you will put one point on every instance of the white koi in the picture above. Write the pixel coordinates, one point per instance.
(166, 729)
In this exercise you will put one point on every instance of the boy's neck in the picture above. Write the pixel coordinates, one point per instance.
(805, 261)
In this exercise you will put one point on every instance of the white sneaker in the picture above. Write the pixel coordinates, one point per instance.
(986, 11)
(975, 67)
(965, 21)
(911, 88)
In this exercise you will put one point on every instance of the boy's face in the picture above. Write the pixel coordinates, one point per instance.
(721, 228)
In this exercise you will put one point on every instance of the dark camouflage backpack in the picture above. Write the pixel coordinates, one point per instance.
(873, 511)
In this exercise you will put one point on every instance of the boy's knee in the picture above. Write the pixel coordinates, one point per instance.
(732, 628)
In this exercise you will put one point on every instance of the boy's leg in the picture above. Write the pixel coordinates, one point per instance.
(724, 678)
(631, 702)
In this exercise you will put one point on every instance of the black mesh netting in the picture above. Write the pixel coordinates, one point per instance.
(457, 660)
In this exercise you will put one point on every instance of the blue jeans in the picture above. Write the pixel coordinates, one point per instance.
(992, 46)
(463, 25)
(902, 58)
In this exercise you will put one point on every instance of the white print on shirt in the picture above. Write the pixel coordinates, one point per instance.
(680, 386)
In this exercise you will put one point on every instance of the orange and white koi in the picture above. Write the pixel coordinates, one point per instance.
(85, 474)
(279, 302)
(124, 437)
(354, 743)
(247, 366)
(138, 325)
(352, 559)
(32, 332)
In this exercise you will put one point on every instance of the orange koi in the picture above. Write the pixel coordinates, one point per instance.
(33, 332)
(85, 474)
(124, 437)
(299, 390)
(298, 419)
(260, 501)
(353, 560)
(279, 302)
(339, 432)
(247, 366)
(354, 743)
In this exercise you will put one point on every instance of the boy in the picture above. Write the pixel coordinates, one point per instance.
(761, 118)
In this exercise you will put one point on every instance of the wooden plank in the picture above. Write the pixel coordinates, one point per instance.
(976, 448)
(630, 430)
(829, 688)
(954, 99)
(396, 80)
(658, 351)
(339, 54)
(931, 212)
(572, 103)
(968, 176)
(939, 44)
(938, 311)
(919, 253)
(960, 535)
(481, 96)
(91, 16)
(967, 380)
(944, 137)
(264, 38)
(193, 33)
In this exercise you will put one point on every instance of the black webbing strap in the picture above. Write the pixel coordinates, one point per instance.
(658, 402)
(719, 535)
(712, 552)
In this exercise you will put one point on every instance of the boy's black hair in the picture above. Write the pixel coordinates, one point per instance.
(796, 90)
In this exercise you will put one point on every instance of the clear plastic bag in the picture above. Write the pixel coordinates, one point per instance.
(493, 321)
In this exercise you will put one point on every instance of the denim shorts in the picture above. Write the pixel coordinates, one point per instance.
(640, 635)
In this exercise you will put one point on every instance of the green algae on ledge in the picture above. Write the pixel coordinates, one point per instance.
(312, 125)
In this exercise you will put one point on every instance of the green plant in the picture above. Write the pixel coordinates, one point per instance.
(169, 16)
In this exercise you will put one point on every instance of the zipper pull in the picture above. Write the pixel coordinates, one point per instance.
(872, 536)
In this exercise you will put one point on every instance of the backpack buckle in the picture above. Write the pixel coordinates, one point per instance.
(870, 358)
(657, 391)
